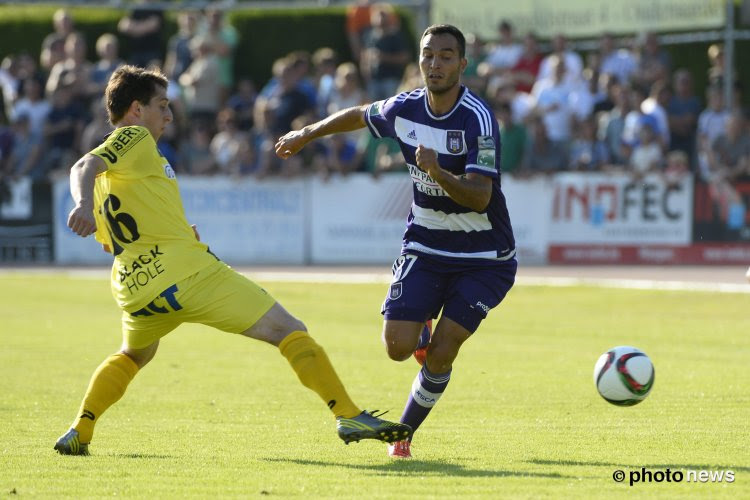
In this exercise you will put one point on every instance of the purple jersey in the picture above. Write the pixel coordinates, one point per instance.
(467, 139)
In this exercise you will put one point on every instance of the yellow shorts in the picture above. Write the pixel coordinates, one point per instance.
(216, 296)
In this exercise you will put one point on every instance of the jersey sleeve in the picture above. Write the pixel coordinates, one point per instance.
(483, 143)
(381, 115)
(123, 149)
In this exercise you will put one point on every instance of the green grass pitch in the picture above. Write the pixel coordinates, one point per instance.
(216, 415)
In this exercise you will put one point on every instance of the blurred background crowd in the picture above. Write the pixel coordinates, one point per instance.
(622, 106)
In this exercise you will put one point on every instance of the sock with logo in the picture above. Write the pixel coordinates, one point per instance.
(315, 371)
(425, 392)
(106, 387)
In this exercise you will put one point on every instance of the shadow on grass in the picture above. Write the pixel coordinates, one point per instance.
(734, 468)
(422, 467)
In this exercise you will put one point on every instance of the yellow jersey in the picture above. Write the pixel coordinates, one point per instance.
(140, 217)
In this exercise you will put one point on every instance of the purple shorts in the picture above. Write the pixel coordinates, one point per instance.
(423, 285)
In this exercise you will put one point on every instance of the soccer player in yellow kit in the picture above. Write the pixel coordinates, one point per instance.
(126, 193)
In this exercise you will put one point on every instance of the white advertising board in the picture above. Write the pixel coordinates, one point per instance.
(358, 219)
(615, 209)
(529, 205)
(69, 248)
(246, 221)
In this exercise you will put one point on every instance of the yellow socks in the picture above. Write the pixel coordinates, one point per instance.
(315, 372)
(107, 385)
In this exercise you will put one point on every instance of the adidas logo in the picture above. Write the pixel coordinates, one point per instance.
(412, 135)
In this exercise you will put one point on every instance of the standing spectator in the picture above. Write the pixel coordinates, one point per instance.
(552, 102)
(683, 109)
(656, 105)
(97, 127)
(612, 126)
(573, 62)
(357, 25)
(712, 122)
(200, 87)
(179, 56)
(613, 61)
(32, 104)
(74, 71)
(512, 137)
(347, 89)
(24, 159)
(108, 49)
(474, 56)
(62, 132)
(53, 45)
(325, 62)
(142, 29)
(223, 38)
(386, 53)
(654, 63)
(526, 69)
(503, 56)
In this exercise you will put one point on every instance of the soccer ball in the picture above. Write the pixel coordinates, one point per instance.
(624, 376)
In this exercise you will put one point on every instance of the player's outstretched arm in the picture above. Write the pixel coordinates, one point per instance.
(82, 177)
(345, 120)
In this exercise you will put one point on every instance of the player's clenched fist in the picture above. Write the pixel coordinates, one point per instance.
(290, 144)
(427, 159)
(81, 221)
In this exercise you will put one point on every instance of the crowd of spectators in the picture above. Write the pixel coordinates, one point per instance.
(621, 107)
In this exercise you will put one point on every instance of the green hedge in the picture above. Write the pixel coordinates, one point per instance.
(265, 35)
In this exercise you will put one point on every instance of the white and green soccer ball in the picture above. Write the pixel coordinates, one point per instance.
(624, 376)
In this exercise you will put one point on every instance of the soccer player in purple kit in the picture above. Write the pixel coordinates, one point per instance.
(458, 251)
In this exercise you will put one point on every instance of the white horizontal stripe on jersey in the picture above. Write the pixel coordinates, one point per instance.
(414, 134)
(480, 167)
(435, 219)
(412, 245)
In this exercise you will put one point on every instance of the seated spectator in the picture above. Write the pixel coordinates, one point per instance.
(656, 105)
(195, 153)
(587, 153)
(604, 98)
(412, 78)
(475, 54)
(33, 105)
(335, 154)
(242, 103)
(325, 62)
(142, 29)
(347, 89)
(542, 155)
(647, 155)
(226, 144)
(97, 127)
(676, 168)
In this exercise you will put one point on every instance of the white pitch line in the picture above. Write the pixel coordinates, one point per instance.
(344, 277)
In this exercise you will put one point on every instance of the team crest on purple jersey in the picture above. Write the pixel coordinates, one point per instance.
(453, 141)
(396, 290)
